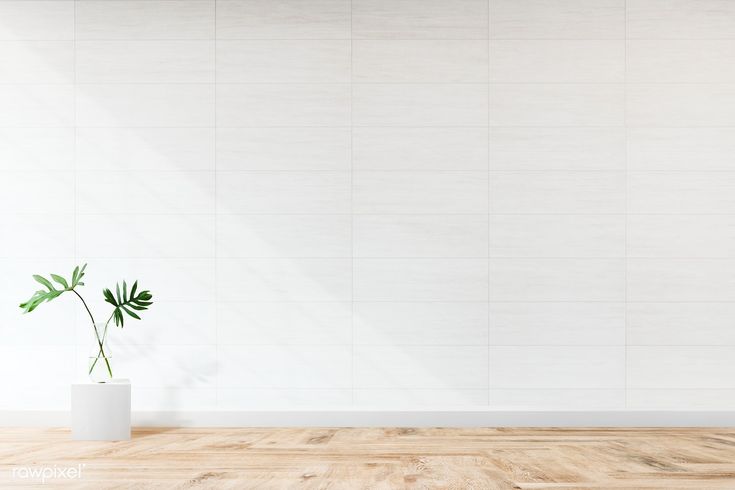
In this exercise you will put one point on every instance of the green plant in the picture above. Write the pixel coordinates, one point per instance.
(125, 303)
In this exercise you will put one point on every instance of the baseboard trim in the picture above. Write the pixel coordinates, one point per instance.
(393, 418)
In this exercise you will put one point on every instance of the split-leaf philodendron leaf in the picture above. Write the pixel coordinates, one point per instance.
(127, 302)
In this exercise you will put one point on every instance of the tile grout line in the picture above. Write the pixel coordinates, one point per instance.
(489, 202)
(625, 201)
(74, 158)
(352, 223)
(216, 265)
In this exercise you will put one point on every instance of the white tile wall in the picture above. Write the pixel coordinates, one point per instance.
(419, 19)
(557, 19)
(37, 20)
(375, 203)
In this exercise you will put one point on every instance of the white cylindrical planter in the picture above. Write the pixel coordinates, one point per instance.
(101, 411)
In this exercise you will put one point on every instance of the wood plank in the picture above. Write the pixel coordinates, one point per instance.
(376, 458)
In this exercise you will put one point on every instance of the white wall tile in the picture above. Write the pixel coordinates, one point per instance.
(36, 192)
(145, 149)
(681, 192)
(419, 105)
(680, 323)
(423, 367)
(37, 148)
(288, 366)
(145, 105)
(557, 236)
(283, 19)
(556, 104)
(170, 323)
(260, 398)
(284, 279)
(145, 192)
(680, 367)
(548, 148)
(283, 148)
(252, 105)
(172, 399)
(30, 236)
(583, 367)
(18, 284)
(557, 19)
(240, 235)
(160, 366)
(680, 19)
(420, 192)
(36, 61)
(284, 323)
(167, 323)
(557, 280)
(167, 279)
(557, 61)
(420, 61)
(528, 324)
(680, 279)
(131, 235)
(564, 399)
(557, 192)
(420, 279)
(680, 148)
(30, 398)
(658, 61)
(42, 366)
(419, 19)
(283, 192)
(50, 324)
(420, 235)
(152, 19)
(690, 399)
(689, 236)
(412, 398)
(39, 20)
(133, 61)
(420, 148)
(36, 105)
(434, 323)
(302, 61)
(680, 105)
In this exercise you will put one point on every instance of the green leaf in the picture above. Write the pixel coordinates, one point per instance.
(109, 297)
(127, 302)
(76, 277)
(39, 297)
(60, 280)
(130, 312)
(43, 281)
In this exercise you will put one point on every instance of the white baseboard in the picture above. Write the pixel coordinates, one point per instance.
(394, 418)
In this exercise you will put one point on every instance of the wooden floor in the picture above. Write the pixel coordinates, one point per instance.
(377, 458)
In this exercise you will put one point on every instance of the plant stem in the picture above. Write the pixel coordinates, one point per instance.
(85, 305)
(96, 334)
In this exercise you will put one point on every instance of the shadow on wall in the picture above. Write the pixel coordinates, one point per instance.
(142, 200)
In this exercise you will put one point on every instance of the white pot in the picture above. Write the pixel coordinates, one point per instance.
(101, 411)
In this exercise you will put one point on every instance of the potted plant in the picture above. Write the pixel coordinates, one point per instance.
(124, 302)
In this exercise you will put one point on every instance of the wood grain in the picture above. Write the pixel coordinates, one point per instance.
(381, 458)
